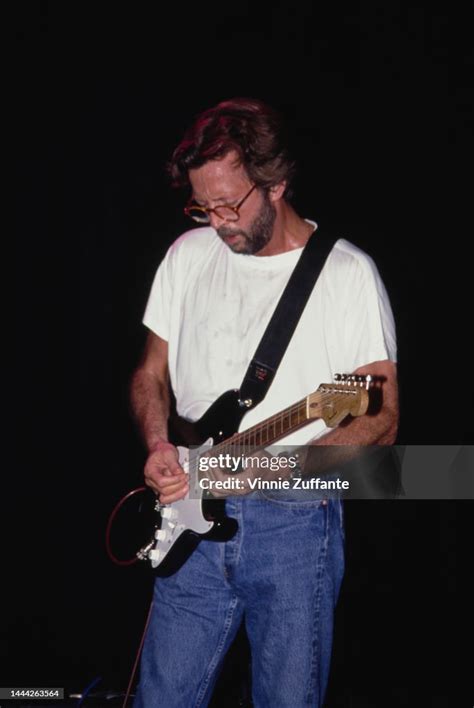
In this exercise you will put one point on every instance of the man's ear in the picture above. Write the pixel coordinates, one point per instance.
(277, 191)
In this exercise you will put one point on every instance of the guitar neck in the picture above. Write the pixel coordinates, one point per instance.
(331, 402)
(268, 431)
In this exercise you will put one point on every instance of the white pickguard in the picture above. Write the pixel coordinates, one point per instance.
(181, 516)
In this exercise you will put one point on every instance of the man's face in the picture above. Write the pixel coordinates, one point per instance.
(224, 181)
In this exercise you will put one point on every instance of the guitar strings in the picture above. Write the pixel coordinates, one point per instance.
(249, 436)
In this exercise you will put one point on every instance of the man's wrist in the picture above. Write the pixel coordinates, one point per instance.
(158, 443)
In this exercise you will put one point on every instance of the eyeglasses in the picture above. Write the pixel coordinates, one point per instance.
(226, 212)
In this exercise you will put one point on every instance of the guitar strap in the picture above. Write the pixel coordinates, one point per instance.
(285, 318)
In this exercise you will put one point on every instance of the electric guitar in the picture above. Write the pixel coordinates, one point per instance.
(180, 526)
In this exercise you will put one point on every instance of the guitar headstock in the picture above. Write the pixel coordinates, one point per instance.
(348, 395)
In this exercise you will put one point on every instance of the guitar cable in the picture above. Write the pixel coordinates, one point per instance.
(108, 530)
(137, 658)
(131, 561)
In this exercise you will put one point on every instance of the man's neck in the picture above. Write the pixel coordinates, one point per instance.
(290, 231)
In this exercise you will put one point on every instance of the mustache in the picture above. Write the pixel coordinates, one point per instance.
(224, 231)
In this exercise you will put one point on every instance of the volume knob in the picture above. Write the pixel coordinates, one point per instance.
(169, 513)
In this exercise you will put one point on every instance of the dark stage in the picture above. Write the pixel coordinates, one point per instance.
(378, 100)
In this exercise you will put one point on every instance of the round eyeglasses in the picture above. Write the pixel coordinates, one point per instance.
(226, 212)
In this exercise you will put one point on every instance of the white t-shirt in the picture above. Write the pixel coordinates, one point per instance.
(212, 306)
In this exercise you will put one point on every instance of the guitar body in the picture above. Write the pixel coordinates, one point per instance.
(186, 522)
(219, 422)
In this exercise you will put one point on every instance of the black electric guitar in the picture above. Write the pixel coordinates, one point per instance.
(181, 526)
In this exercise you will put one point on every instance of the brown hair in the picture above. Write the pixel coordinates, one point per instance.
(248, 126)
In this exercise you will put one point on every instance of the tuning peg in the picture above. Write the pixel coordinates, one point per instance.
(363, 381)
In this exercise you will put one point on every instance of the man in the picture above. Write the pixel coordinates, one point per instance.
(211, 300)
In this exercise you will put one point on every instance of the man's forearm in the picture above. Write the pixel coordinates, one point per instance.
(150, 405)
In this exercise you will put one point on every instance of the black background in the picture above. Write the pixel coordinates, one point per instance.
(378, 99)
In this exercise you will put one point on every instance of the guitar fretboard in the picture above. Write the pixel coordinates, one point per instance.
(267, 432)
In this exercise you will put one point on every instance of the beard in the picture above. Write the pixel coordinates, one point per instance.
(257, 235)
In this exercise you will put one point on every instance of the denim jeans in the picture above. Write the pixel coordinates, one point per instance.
(281, 574)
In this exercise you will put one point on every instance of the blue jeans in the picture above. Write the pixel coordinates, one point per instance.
(281, 573)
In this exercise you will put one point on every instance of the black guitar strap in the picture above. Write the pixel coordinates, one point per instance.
(285, 318)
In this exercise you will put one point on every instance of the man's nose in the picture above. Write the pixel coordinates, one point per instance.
(216, 221)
